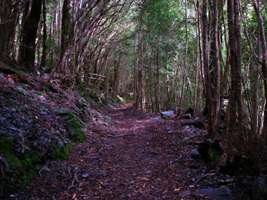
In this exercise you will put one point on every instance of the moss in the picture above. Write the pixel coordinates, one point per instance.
(214, 155)
(39, 93)
(30, 159)
(27, 176)
(61, 153)
(20, 169)
(6, 145)
(74, 124)
(75, 129)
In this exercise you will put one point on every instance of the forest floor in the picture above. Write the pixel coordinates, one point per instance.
(134, 156)
(127, 155)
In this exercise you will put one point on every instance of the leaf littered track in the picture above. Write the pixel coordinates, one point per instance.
(132, 156)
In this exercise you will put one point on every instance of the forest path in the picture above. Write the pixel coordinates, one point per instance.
(135, 157)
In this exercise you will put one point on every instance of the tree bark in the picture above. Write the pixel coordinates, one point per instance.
(29, 34)
(235, 116)
(8, 18)
(263, 46)
(213, 86)
(140, 98)
(67, 26)
(44, 52)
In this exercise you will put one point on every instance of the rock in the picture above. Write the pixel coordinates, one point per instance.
(22, 90)
(220, 193)
(85, 175)
(195, 154)
(74, 125)
(169, 130)
(108, 119)
(3, 164)
(196, 123)
(167, 114)
(102, 174)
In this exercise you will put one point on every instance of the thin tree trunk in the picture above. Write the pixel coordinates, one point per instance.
(263, 60)
(44, 52)
(157, 83)
(214, 70)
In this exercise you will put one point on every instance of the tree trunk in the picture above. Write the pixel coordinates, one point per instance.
(140, 101)
(44, 52)
(8, 18)
(116, 79)
(67, 26)
(157, 81)
(235, 126)
(254, 81)
(214, 69)
(263, 60)
(205, 59)
(29, 33)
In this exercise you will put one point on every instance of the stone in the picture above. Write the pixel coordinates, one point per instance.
(167, 114)
(21, 90)
(195, 154)
(85, 175)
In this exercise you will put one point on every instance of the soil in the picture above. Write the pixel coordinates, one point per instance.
(135, 156)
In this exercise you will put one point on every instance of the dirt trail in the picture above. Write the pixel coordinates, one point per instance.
(135, 157)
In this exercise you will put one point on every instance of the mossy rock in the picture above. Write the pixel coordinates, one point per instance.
(74, 125)
(60, 153)
(32, 158)
(19, 170)
(12, 161)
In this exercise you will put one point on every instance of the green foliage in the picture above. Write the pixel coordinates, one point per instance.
(170, 43)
